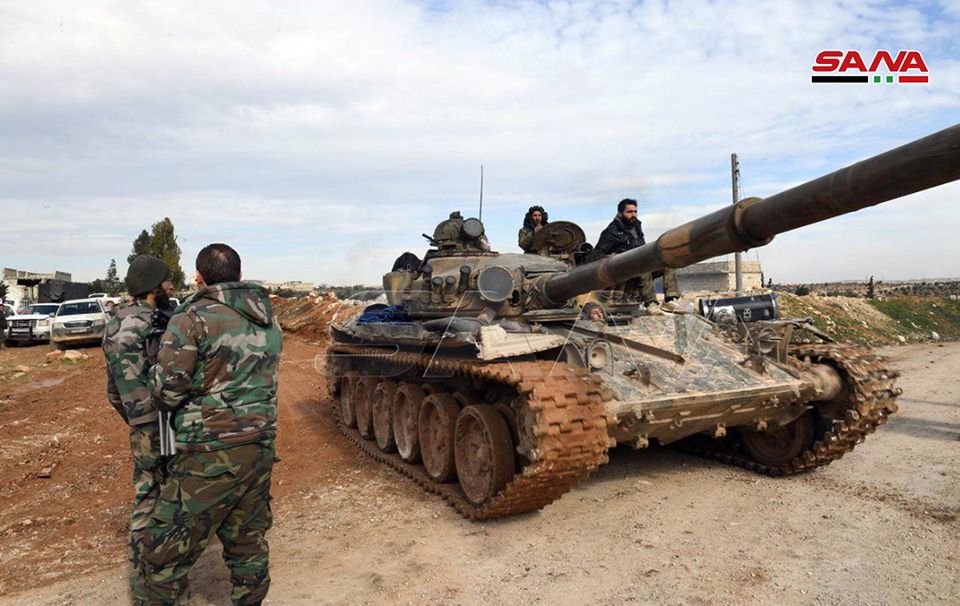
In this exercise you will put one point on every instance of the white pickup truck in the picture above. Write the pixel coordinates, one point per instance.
(109, 303)
(79, 321)
(31, 326)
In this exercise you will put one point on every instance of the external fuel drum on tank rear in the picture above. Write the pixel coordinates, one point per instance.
(483, 382)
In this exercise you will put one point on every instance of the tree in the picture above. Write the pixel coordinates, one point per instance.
(4, 289)
(112, 283)
(769, 282)
(141, 246)
(163, 244)
(802, 290)
(870, 288)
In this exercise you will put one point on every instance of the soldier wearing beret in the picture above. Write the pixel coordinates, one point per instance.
(130, 345)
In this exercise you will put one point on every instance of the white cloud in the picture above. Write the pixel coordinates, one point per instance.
(324, 138)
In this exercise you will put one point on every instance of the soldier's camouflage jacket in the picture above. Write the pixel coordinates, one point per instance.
(125, 345)
(218, 366)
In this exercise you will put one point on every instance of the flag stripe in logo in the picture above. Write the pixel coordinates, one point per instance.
(839, 79)
(912, 78)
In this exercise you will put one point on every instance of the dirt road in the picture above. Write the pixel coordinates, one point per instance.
(880, 526)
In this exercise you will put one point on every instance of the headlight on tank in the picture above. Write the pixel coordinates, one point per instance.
(495, 284)
(599, 354)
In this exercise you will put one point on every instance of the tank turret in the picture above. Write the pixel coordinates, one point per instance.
(461, 275)
(485, 383)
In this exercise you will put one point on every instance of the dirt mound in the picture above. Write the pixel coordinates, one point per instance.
(309, 316)
(880, 321)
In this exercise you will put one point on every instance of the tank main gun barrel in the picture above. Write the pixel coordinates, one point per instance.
(921, 164)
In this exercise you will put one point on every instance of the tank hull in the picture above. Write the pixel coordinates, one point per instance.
(677, 381)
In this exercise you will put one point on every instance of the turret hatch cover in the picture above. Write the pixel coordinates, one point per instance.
(559, 237)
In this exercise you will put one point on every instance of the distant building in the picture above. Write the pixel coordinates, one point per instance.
(294, 285)
(24, 284)
(719, 276)
(12, 275)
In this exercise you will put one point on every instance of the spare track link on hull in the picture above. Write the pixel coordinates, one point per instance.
(568, 432)
(871, 398)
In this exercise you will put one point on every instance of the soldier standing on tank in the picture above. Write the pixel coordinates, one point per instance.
(624, 233)
(533, 221)
(217, 375)
(130, 344)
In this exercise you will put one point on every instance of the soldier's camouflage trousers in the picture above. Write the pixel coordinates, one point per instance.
(226, 492)
(145, 444)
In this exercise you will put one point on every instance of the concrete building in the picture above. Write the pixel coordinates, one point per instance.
(294, 285)
(23, 284)
(12, 275)
(719, 276)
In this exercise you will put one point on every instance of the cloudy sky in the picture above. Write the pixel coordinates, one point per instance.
(321, 138)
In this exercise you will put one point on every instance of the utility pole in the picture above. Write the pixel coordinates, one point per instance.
(480, 216)
(735, 173)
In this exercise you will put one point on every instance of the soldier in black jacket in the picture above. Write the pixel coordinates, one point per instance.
(625, 233)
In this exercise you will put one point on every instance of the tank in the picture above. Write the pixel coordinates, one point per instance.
(492, 380)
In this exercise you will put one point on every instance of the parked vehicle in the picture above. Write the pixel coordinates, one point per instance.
(32, 326)
(110, 303)
(80, 321)
(18, 306)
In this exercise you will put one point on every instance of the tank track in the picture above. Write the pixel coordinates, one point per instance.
(565, 437)
(870, 399)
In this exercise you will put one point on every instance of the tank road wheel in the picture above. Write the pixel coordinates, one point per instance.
(406, 414)
(437, 423)
(363, 405)
(483, 452)
(347, 413)
(382, 413)
(782, 446)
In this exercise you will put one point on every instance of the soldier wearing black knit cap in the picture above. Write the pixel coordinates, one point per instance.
(130, 345)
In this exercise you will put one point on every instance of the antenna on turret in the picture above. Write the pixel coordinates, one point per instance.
(481, 193)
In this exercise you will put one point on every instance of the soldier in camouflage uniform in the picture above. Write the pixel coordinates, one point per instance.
(217, 374)
(130, 345)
